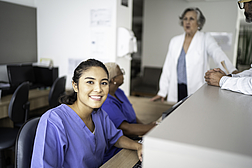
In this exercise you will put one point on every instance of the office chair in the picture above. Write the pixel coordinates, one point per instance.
(19, 106)
(147, 84)
(18, 112)
(24, 143)
(57, 90)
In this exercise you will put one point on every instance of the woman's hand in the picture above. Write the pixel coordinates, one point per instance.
(140, 152)
(212, 77)
(157, 97)
(125, 142)
(219, 70)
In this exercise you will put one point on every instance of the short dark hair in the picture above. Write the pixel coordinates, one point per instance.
(83, 66)
(200, 17)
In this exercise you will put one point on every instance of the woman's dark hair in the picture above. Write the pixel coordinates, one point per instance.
(200, 17)
(82, 67)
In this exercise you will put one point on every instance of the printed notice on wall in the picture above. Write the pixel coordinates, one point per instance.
(98, 43)
(100, 17)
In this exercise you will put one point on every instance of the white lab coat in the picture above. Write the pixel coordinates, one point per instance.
(202, 46)
(241, 82)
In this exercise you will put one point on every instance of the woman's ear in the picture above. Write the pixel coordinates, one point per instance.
(75, 86)
(112, 80)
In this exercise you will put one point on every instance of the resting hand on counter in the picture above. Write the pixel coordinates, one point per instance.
(213, 76)
(157, 97)
(125, 142)
(140, 152)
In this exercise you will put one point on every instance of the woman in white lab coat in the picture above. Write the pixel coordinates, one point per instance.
(187, 59)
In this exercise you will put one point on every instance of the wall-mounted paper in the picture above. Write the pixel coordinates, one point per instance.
(100, 17)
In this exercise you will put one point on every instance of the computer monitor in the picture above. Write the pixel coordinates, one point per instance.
(170, 110)
(18, 32)
(20, 73)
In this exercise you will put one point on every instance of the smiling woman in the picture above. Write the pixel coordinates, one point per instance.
(92, 89)
(78, 132)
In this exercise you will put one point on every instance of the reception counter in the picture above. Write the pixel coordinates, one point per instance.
(212, 128)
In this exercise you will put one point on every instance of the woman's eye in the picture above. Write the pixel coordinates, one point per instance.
(191, 18)
(90, 82)
(104, 83)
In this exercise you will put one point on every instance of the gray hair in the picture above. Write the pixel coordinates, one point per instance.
(112, 69)
(200, 17)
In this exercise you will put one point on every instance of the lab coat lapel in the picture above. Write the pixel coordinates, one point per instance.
(195, 62)
(194, 54)
(179, 46)
(175, 51)
(194, 42)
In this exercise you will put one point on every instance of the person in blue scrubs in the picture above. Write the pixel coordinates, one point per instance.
(78, 132)
(120, 110)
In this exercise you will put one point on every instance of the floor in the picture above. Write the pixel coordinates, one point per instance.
(146, 110)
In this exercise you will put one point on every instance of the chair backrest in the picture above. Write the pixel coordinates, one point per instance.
(151, 76)
(57, 89)
(24, 143)
(19, 105)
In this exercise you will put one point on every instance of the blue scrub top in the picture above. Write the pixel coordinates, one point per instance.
(63, 139)
(118, 112)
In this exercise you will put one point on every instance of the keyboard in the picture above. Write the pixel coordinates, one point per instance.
(138, 165)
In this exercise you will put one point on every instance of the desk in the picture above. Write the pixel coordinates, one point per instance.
(125, 158)
(212, 128)
(147, 112)
(37, 99)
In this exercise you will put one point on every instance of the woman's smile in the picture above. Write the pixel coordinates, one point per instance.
(96, 97)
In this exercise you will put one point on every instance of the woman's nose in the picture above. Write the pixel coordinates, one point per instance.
(98, 88)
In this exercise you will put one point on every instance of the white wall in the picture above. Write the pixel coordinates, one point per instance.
(64, 29)
(65, 32)
(161, 23)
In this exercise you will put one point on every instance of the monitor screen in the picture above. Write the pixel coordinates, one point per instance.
(170, 110)
(20, 73)
(18, 34)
